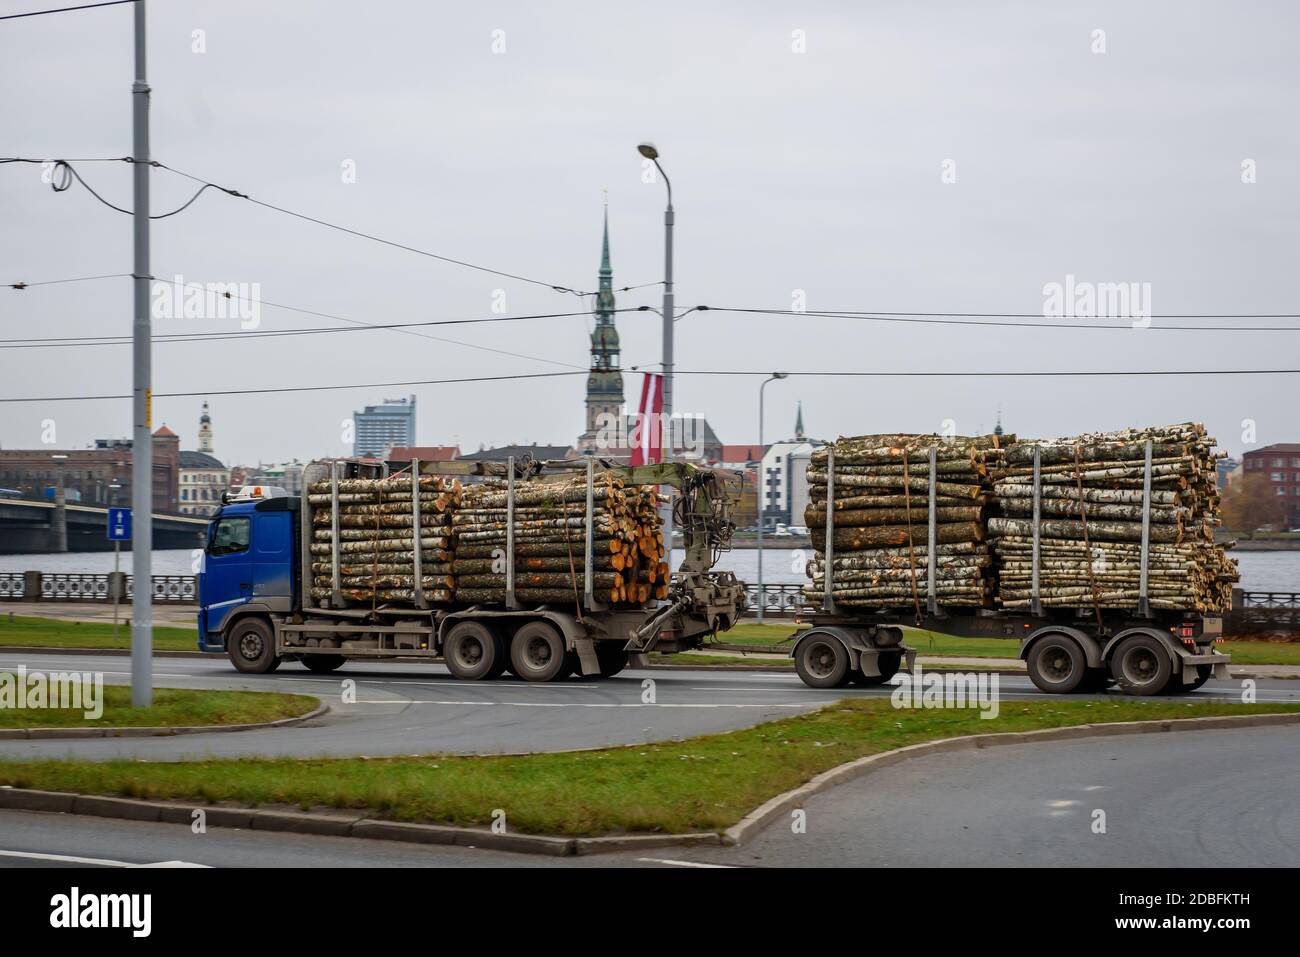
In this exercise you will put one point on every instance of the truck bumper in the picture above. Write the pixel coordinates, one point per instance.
(1217, 661)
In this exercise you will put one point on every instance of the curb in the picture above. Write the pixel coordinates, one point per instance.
(118, 652)
(355, 825)
(791, 800)
(27, 734)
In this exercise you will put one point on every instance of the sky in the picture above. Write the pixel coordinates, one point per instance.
(940, 157)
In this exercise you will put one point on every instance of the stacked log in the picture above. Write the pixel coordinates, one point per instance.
(378, 538)
(881, 520)
(550, 530)
(1090, 529)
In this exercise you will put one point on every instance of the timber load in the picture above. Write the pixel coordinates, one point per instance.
(377, 538)
(879, 491)
(460, 535)
(629, 565)
(1099, 497)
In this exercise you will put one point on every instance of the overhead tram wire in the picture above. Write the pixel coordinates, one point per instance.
(56, 282)
(83, 6)
(954, 319)
(721, 372)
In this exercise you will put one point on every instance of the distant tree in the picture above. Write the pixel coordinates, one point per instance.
(1250, 503)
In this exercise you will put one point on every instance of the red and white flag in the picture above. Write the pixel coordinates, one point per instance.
(646, 450)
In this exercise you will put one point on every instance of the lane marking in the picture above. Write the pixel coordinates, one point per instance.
(91, 861)
(672, 863)
(598, 704)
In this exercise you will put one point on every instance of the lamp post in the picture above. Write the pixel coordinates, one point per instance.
(118, 587)
(650, 152)
(762, 484)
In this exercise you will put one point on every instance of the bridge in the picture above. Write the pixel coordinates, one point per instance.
(32, 526)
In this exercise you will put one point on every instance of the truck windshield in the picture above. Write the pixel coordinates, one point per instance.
(229, 535)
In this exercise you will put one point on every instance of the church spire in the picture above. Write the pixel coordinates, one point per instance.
(606, 271)
(798, 424)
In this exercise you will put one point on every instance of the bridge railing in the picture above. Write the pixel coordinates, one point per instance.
(91, 586)
(778, 600)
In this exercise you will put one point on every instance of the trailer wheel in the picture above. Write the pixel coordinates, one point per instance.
(1057, 664)
(252, 647)
(537, 653)
(612, 659)
(472, 652)
(888, 662)
(1141, 666)
(323, 664)
(1203, 674)
(822, 662)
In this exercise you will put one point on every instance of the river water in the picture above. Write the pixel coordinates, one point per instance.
(1260, 571)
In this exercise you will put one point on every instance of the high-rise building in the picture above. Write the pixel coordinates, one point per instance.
(380, 427)
(605, 380)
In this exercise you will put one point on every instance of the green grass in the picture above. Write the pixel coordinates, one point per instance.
(1262, 652)
(703, 783)
(171, 707)
(56, 633)
(753, 661)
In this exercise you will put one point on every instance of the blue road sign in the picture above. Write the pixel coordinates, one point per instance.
(119, 524)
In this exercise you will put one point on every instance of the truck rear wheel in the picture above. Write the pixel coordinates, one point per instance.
(1057, 664)
(537, 653)
(1141, 665)
(612, 659)
(252, 647)
(323, 664)
(473, 653)
(822, 662)
(888, 663)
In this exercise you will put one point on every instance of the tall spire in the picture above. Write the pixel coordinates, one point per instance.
(606, 271)
(604, 380)
(798, 423)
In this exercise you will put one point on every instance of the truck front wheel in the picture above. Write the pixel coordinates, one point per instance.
(252, 647)
(822, 662)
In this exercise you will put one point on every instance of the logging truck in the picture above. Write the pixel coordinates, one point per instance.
(276, 579)
(1144, 650)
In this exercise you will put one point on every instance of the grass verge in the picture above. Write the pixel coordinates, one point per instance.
(57, 633)
(171, 708)
(705, 783)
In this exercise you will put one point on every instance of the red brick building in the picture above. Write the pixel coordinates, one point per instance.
(91, 471)
(1281, 463)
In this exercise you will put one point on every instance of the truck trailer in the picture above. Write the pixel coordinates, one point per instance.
(262, 603)
(1144, 649)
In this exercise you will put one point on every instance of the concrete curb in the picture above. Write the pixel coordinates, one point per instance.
(116, 652)
(355, 825)
(783, 804)
(29, 734)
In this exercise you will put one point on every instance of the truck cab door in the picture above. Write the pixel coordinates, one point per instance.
(227, 569)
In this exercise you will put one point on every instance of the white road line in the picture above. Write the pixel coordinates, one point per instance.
(672, 863)
(600, 704)
(92, 861)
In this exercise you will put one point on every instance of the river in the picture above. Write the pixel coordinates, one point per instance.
(1260, 571)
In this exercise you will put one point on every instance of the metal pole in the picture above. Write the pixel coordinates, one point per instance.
(141, 391)
(762, 498)
(117, 568)
(668, 314)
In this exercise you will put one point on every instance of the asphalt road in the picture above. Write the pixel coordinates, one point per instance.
(1203, 798)
(419, 708)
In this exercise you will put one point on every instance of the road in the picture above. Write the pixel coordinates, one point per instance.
(419, 708)
(1201, 798)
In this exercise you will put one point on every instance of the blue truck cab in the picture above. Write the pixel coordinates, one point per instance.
(250, 564)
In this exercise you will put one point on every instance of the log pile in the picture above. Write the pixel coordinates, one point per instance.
(881, 520)
(462, 541)
(550, 540)
(378, 538)
(1091, 522)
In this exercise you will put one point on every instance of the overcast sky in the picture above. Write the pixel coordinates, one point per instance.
(821, 171)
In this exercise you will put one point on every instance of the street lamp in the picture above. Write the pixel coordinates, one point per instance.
(762, 484)
(650, 152)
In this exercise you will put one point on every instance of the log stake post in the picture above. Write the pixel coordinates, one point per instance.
(588, 548)
(828, 573)
(931, 605)
(419, 531)
(1144, 604)
(511, 603)
(336, 593)
(1035, 605)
